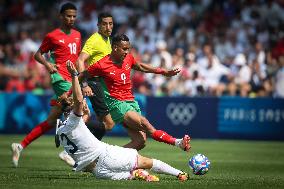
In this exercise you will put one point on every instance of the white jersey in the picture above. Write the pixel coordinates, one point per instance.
(79, 142)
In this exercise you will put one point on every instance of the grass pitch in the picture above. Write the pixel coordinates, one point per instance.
(235, 164)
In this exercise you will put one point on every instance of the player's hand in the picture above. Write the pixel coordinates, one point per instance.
(71, 68)
(51, 68)
(87, 91)
(173, 72)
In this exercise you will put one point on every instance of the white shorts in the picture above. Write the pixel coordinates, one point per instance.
(116, 163)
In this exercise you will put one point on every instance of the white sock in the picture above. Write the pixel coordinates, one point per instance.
(162, 167)
(178, 141)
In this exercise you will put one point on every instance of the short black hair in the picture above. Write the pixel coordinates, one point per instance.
(118, 38)
(103, 15)
(67, 6)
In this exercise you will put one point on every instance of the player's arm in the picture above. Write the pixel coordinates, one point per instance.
(45, 47)
(150, 69)
(80, 64)
(76, 89)
(38, 56)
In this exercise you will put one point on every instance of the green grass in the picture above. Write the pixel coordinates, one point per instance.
(235, 164)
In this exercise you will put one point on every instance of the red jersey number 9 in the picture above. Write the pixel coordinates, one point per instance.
(123, 77)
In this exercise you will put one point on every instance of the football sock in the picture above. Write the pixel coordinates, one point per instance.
(162, 167)
(39, 130)
(162, 136)
(97, 129)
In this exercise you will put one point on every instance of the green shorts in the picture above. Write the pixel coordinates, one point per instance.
(119, 108)
(59, 85)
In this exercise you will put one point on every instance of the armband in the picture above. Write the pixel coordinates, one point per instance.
(74, 74)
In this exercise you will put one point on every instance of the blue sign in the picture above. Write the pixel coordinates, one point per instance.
(183, 115)
(261, 118)
(19, 113)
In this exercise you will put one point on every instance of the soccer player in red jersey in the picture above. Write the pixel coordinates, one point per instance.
(62, 44)
(114, 71)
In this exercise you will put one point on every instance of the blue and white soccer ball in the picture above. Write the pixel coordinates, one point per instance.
(199, 164)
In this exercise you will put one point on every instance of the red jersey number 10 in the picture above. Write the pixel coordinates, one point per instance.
(72, 47)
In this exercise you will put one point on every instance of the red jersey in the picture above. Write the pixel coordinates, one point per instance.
(116, 77)
(62, 47)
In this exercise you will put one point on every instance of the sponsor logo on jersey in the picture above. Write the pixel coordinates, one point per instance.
(61, 40)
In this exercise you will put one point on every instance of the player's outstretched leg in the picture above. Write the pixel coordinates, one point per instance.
(162, 136)
(162, 167)
(159, 167)
(16, 152)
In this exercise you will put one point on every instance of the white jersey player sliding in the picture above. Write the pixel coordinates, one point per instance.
(103, 160)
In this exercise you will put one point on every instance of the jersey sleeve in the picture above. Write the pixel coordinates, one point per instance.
(131, 60)
(95, 70)
(89, 46)
(46, 44)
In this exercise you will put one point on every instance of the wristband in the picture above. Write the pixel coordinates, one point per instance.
(160, 71)
(74, 74)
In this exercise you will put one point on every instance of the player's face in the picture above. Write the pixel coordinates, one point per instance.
(122, 49)
(106, 26)
(69, 17)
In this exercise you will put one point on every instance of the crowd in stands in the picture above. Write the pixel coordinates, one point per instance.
(224, 47)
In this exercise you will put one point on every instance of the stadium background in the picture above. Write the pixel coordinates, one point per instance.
(230, 52)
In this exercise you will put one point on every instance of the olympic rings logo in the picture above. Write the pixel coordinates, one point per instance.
(181, 113)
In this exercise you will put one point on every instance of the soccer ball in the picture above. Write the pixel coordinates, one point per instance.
(199, 164)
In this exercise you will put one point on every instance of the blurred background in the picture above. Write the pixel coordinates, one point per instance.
(231, 53)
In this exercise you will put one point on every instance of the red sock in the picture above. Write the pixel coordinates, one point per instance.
(162, 136)
(39, 130)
